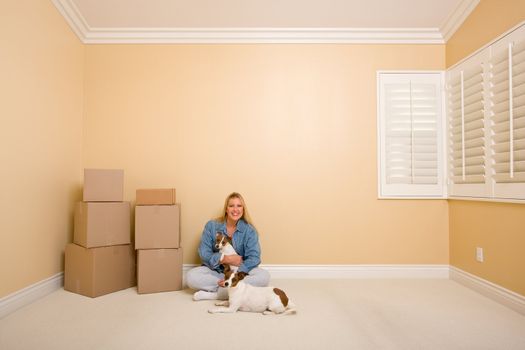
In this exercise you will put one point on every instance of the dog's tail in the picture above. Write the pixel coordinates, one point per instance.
(291, 308)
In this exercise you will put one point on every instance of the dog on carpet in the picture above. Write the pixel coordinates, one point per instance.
(223, 244)
(245, 297)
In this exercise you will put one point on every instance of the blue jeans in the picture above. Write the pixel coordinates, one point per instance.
(203, 278)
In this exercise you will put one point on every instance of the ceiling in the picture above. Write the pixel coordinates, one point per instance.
(183, 21)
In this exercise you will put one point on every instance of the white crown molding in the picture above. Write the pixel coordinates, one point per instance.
(30, 294)
(263, 36)
(491, 290)
(456, 18)
(73, 17)
(92, 35)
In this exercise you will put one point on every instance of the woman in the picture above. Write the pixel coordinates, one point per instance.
(236, 223)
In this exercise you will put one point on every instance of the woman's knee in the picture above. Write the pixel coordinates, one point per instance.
(265, 277)
(259, 277)
(191, 278)
(202, 278)
(194, 277)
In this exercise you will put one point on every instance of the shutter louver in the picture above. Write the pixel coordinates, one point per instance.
(507, 81)
(424, 116)
(411, 134)
(398, 134)
(466, 126)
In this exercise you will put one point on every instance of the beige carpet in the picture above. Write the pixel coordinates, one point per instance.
(333, 314)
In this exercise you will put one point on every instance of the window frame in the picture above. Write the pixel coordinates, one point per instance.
(486, 192)
(410, 191)
(490, 190)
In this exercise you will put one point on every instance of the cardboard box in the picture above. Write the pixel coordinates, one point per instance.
(102, 224)
(157, 196)
(103, 185)
(157, 226)
(97, 271)
(159, 270)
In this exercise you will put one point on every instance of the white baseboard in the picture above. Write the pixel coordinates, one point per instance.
(30, 294)
(351, 271)
(504, 296)
(493, 291)
(356, 271)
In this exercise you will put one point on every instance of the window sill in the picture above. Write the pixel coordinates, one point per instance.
(456, 198)
(484, 199)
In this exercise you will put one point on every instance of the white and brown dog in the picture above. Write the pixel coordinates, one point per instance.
(223, 244)
(245, 297)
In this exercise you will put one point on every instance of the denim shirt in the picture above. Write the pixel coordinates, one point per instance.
(244, 240)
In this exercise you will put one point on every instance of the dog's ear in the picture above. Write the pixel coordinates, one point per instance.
(227, 271)
(241, 275)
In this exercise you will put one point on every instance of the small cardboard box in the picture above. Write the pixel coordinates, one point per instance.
(156, 196)
(97, 271)
(157, 226)
(102, 224)
(103, 185)
(159, 270)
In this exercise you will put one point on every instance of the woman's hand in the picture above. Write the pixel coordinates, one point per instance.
(221, 283)
(235, 260)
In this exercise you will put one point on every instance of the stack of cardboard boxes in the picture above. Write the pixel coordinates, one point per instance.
(157, 240)
(101, 260)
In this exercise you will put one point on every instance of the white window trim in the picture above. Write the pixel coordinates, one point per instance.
(490, 190)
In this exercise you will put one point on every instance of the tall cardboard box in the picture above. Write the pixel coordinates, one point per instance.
(157, 226)
(155, 196)
(97, 271)
(103, 185)
(159, 270)
(102, 224)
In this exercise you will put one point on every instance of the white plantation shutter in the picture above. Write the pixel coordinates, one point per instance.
(485, 131)
(410, 144)
(467, 161)
(507, 115)
(486, 122)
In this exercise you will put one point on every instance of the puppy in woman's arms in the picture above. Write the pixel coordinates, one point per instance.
(224, 245)
(245, 297)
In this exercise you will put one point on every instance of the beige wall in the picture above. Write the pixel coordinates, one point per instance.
(496, 227)
(41, 70)
(499, 229)
(291, 127)
(488, 21)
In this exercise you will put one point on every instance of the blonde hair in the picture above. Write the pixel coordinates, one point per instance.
(245, 216)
